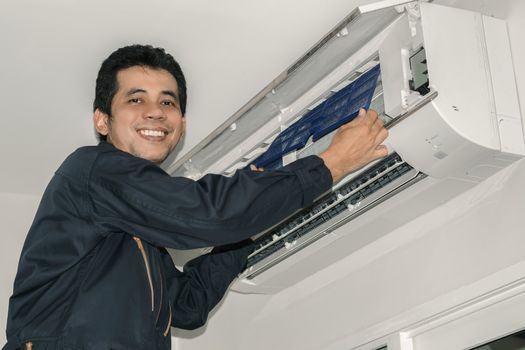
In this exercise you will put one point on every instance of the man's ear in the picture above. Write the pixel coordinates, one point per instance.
(101, 122)
(183, 126)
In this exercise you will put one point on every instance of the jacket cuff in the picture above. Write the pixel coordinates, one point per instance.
(314, 177)
(240, 251)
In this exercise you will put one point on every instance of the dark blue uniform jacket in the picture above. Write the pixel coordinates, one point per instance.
(94, 272)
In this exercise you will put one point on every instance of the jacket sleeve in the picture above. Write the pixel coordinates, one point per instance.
(132, 195)
(202, 284)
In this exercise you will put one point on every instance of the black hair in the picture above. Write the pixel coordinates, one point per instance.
(130, 56)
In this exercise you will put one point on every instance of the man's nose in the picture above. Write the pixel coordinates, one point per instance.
(154, 112)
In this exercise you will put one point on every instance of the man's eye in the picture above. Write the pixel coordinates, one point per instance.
(167, 103)
(134, 100)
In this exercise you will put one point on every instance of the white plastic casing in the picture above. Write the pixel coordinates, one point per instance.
(474, 126)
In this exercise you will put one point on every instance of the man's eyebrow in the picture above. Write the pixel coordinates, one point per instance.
(134, 91)
(164, 92)
(170, 93)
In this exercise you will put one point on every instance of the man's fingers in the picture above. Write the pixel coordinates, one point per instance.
(254, 168)
(361, 117)
(381, 136)
(371, 117)
(381, 151)
(378, 125)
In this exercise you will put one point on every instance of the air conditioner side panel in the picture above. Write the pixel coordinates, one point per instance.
(458, 69)
(474, 126)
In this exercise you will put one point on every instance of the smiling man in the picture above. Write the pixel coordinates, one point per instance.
(94, 272)
(144, 91)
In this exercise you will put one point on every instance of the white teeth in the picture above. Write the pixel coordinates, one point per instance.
(152, 133)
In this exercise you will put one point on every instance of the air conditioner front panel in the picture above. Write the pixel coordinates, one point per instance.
(360, 241)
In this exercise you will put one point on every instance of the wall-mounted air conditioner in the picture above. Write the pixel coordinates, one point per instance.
(443, 81)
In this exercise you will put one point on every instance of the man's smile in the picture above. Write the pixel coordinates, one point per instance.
(153, 134)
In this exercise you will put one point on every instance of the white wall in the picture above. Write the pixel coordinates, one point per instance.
(16, 215)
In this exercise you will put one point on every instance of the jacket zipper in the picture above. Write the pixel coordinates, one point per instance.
(150, 280)
(148, 271)
(161, 295)
(167, 331)
(29, 346)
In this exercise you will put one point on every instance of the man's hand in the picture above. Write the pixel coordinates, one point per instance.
(254, 168)
(356, 144)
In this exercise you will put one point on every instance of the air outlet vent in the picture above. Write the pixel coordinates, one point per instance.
(363, 192)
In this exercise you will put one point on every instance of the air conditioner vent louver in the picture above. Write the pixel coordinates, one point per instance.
(349, 200)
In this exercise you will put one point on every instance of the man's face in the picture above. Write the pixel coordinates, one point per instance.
(146, 118)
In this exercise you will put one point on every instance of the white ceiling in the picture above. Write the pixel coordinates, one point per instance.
(51, 51)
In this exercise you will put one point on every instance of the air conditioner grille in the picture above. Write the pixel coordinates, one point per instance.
(347, 199)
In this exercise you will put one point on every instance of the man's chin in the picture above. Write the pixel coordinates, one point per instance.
(157, 160)
(154, 157)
